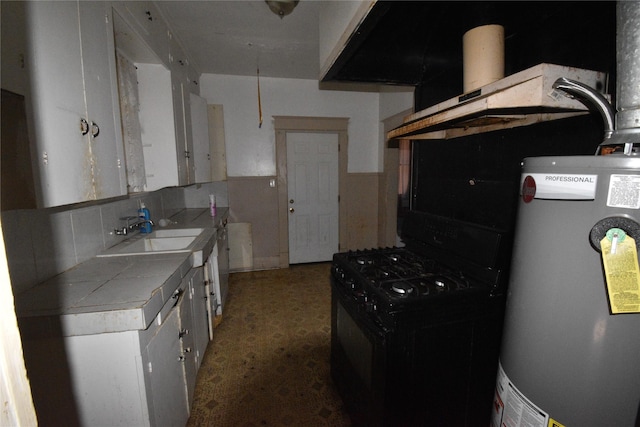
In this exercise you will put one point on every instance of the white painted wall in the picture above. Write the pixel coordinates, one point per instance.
(394, 100)
(392, 103)
(251, 150)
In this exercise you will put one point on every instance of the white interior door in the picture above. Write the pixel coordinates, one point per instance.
(312, 176)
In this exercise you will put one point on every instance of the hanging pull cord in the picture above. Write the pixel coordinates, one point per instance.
(259, 102)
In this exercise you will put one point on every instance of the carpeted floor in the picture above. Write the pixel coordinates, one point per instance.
(268, 364)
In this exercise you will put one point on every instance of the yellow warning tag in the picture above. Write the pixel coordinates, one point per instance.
(622, 274)
(554, 423)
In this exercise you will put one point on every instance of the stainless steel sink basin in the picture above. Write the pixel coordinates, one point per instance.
(160, 241)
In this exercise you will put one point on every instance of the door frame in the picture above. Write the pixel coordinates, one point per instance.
(284, 124)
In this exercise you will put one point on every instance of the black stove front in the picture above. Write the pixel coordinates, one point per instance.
(416, 330)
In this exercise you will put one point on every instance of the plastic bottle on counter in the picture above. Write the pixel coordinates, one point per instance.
(144, 215)
(212, 205)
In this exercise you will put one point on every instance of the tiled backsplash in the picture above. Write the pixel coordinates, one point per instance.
(41, 243)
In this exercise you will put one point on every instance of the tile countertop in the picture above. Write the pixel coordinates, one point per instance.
(116, 294)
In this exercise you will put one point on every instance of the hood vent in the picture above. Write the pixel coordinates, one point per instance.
(622, 128)
(521, 99)
(625, 139)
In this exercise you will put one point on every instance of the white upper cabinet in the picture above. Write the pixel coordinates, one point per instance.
(70, 59)
(180, 85)
(165, 81)
(201, 142)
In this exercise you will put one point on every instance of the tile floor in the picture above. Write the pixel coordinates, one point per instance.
(268, 364)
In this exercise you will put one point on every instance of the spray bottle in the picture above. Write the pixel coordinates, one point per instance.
(144, 215)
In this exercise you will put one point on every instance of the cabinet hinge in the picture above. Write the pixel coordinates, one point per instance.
(150, 367)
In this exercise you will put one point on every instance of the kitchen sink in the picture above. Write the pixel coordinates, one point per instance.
(178, 232)
(160, 244)
(160, 241)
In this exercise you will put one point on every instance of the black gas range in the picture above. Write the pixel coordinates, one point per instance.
(416, 329)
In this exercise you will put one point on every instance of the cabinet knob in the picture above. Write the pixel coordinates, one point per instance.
(291, 210)
(95, 129)
(84, 127)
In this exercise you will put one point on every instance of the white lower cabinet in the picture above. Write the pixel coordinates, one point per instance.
(223, 264)
(167, 375)
(211, 287)
(130, 378)
(193, 329)
(217, 273)
(199, 315)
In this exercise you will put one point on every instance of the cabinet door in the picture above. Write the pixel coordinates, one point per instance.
(200, 133)
(187, 341)
(210, 272)
(199, 311)
(182, 112)
(71, 64)
(184, 150)
(223, 264)
(101, 90)
(167, 374)
(57, 98)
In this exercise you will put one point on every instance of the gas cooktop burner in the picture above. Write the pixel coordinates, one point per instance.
(364, 261)
(428, 284)
(402, 277)
(402, 288)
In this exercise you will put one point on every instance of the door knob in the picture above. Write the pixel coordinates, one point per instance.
(291, 210)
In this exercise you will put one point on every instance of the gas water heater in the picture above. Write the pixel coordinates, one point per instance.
(570, 352)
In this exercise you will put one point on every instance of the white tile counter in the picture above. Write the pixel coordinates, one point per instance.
(116, 293)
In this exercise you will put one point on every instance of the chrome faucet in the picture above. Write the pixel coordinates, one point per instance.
(131, 225)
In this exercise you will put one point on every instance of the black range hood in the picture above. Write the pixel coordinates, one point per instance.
(419, 43)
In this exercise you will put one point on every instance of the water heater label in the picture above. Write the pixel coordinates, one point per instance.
(512, 409)
(555, 186)
(620, 259)
(624, 191)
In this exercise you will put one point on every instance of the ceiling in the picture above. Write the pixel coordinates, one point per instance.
(238, 37)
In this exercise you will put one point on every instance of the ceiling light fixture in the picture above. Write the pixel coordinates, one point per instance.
(281, 7)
